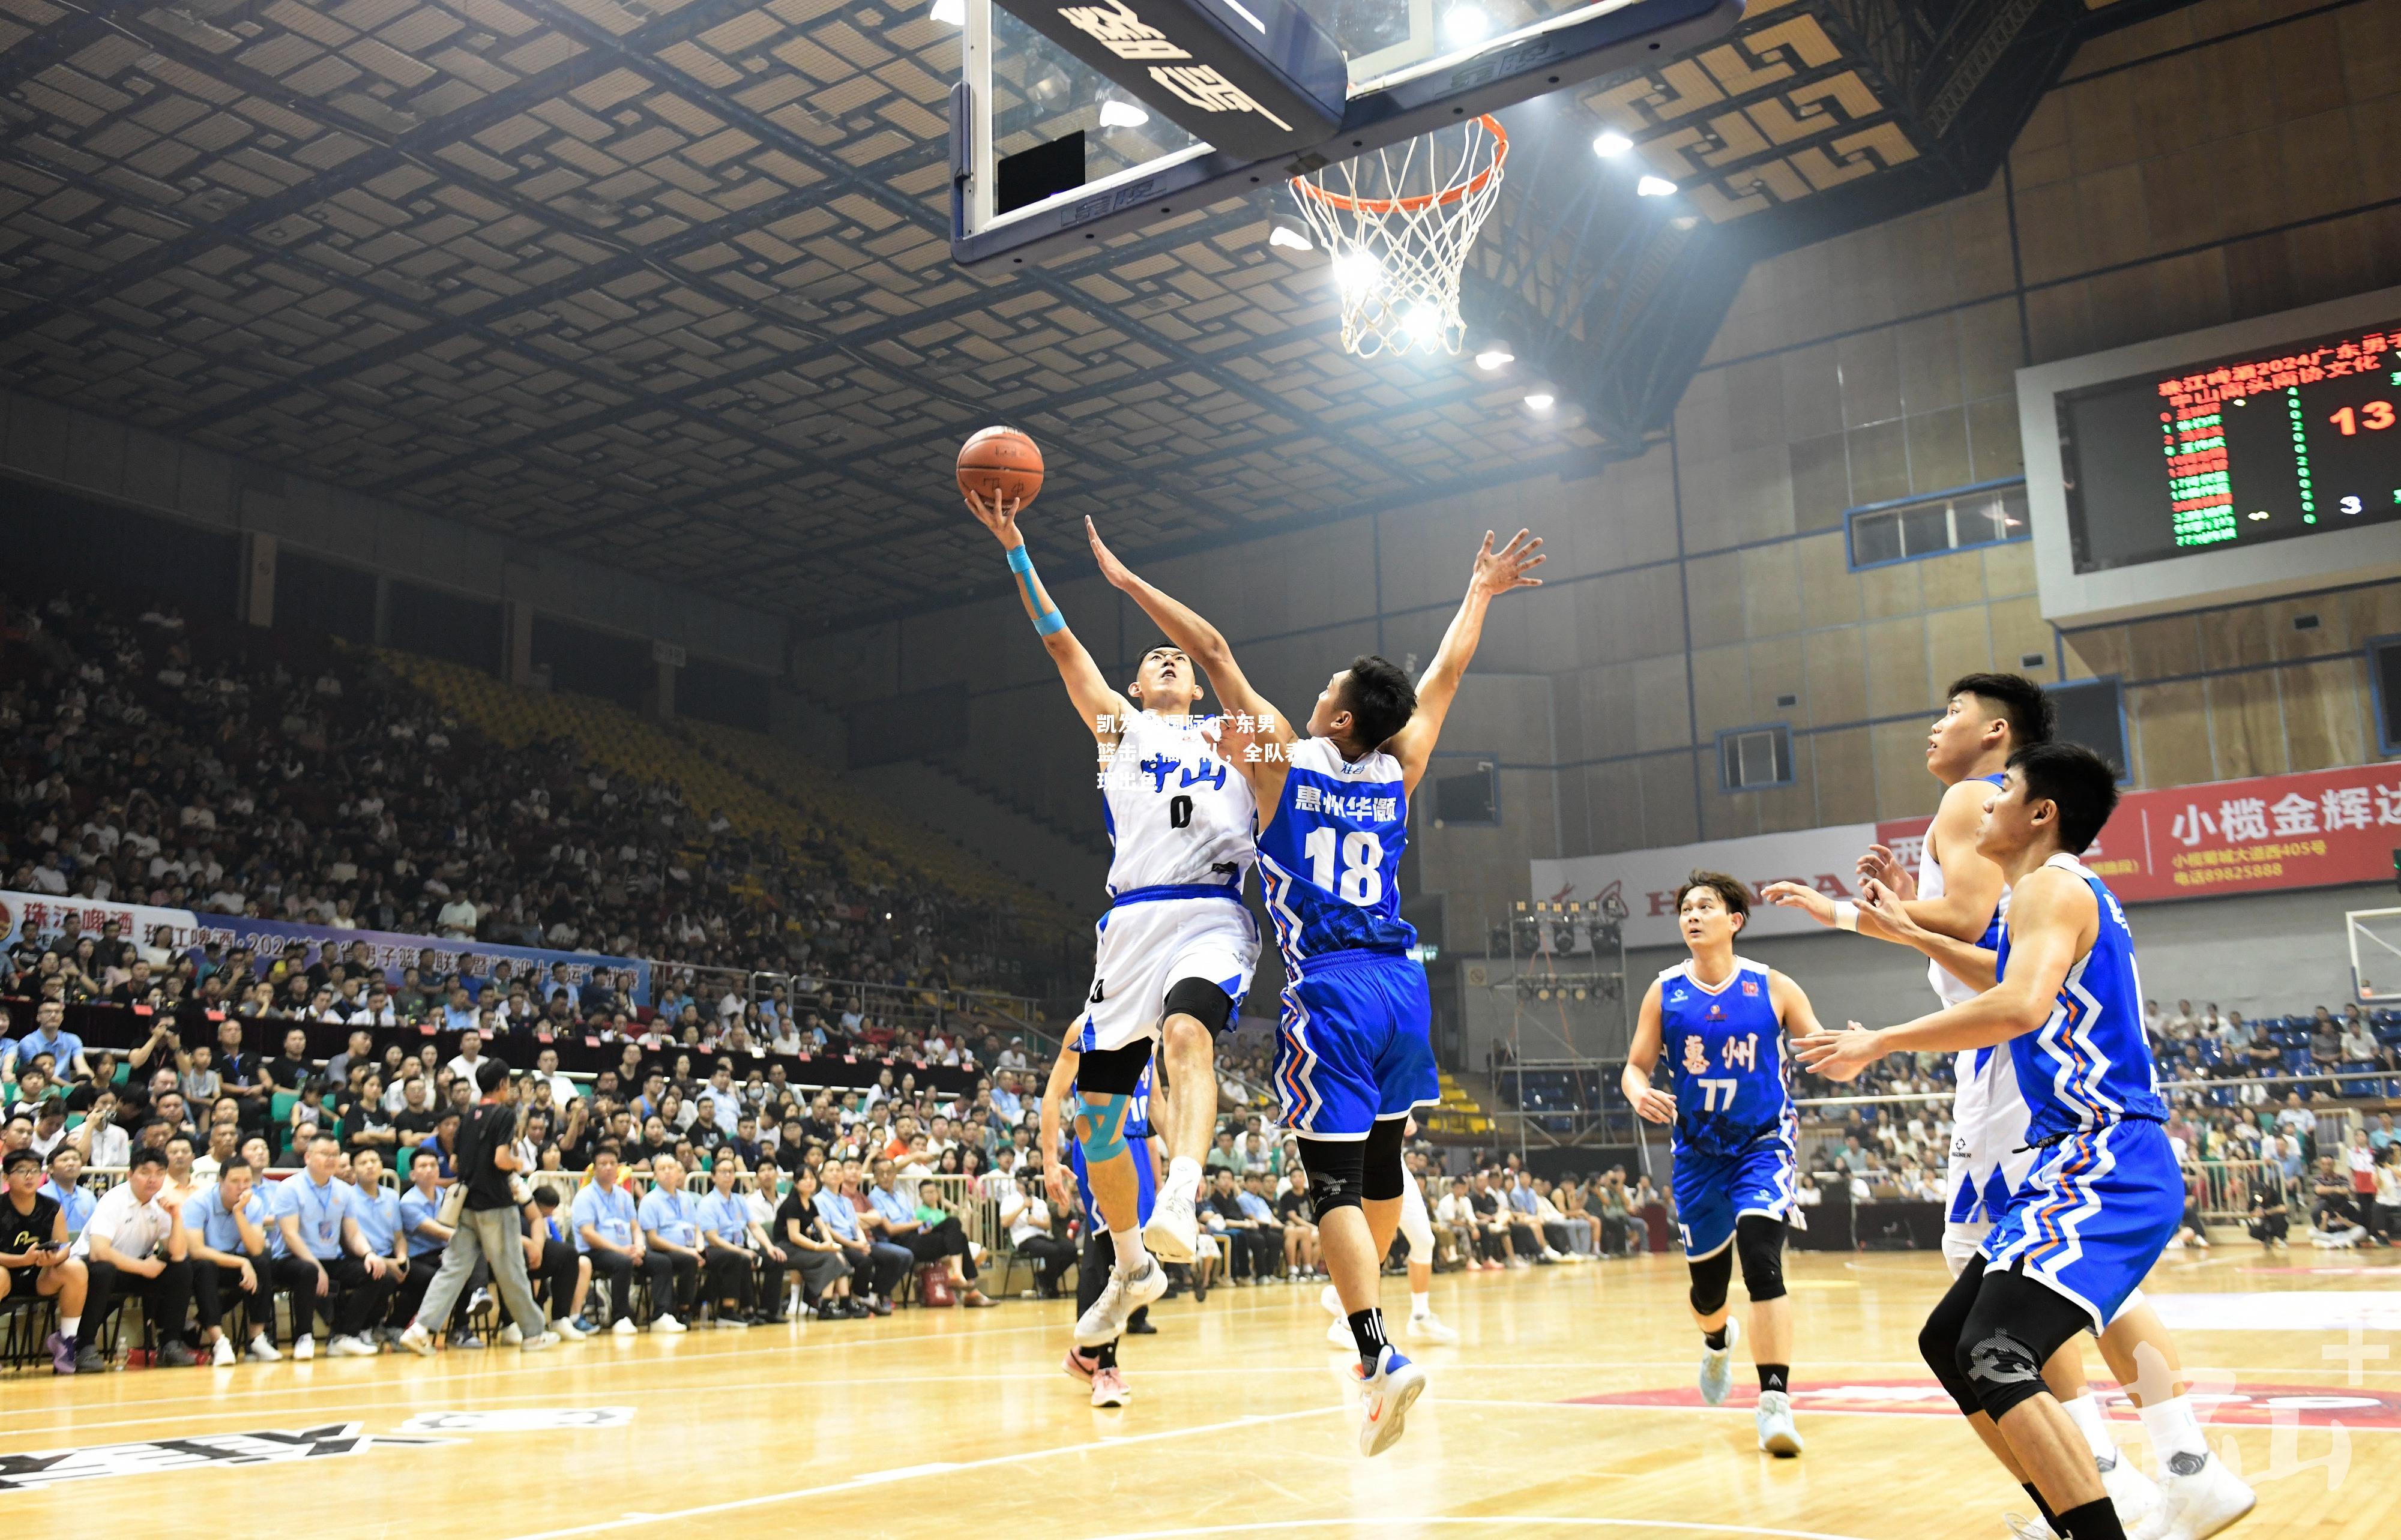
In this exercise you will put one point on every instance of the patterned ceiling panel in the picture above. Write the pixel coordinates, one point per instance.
(667, 282)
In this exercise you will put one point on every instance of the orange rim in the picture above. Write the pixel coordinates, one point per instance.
(1307, 188)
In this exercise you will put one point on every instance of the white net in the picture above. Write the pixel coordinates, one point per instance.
(1398, 223)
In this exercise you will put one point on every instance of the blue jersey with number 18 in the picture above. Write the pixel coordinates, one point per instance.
(1332, 854)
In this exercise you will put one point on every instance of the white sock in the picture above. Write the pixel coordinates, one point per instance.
(1420, 1305)
(2085, 1413)
(1133, 1259)
(2173, 1430)
(67, 1325)
(1184, 1175)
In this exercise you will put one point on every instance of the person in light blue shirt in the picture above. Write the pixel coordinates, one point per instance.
(48, 1036)
(895, 1218)
(880, 1262)
(422, 1231)
(329, 1264)
(736, 1241)
(459, 1015)
(670, 1218)
(607, 1231)
(65, 1187)
(226, 1227)
(381, 1215)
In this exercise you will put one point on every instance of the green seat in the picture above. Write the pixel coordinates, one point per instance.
(280, 1107)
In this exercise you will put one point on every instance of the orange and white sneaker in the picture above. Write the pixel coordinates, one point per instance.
(1385, 1397)
(1082, 1365)
(1110, 1388)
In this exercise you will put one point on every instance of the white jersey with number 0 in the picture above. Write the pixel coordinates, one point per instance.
(1178, 813)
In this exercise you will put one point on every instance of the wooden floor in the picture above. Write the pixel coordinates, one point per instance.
(1566, 1410)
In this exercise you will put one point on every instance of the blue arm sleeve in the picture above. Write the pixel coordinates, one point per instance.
(1046, 619)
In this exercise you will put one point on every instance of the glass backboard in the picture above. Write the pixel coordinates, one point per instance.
(1047, 152)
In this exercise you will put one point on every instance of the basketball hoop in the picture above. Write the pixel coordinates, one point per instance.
(1398, 223)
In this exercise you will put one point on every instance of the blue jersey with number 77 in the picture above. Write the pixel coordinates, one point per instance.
(1724, 1050)
(1331, 854)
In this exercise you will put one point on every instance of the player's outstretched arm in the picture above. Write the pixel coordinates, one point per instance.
(1495, 573)
(1799, 1018)
(1971, 881)
(1101, 706)
(1641, 1055)
(1201, 642)
(2053, 921)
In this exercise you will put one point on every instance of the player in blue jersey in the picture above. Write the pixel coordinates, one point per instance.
(2061, 991)
(1097, 1365)
(1352, 1056)
(1720, 1021)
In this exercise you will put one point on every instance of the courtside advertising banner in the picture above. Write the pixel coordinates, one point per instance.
(2319, 829)
(43, 917)
(1646, 880)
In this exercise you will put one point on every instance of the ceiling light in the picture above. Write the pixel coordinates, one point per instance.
(1288, 238)
(1465, 24)
(1610, 145)
(1495, 356)
(1655, 186)
(1541, 401)
(1682, 222)
(1114, 114)
(951, 13)
(1424, 322)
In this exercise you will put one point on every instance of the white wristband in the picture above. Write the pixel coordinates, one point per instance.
(1847, 915)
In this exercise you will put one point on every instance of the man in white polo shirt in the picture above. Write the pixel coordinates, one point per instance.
(134, 1247)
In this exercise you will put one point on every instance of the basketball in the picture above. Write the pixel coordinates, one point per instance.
(1000, 462)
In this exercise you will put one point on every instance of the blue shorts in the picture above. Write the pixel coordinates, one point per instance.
(1353, 1046)
(2099, 1210)
(1713, 1190)
(1145, 1183)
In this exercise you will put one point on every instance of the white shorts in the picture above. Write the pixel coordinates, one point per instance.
(1144, 948)
(1415, 1228)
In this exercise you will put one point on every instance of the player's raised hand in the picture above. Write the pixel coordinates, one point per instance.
(1841, 1056)
(1498, 571)
(1800, 896)
(1657, 1106)
(1117, 572)
(1880, 864)
(999, 515)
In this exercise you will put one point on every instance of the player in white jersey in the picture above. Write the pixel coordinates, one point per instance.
(1958, 894)
(1175, 949)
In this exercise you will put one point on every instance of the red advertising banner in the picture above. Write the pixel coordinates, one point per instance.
(2316, 830)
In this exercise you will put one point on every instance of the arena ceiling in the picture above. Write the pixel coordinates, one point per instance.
(666, 283)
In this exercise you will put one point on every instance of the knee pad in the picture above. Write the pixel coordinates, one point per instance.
(1710, 1276)
(1417, 1229)
(1115, 1072)
(1102, 1119)
(1381, 1173)
(1334, 1167)
(1937, 1340)
(1202, 1001)
(2013, 1329)
(1758, 1245)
